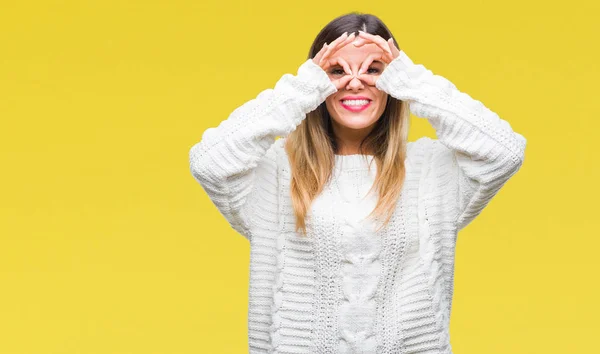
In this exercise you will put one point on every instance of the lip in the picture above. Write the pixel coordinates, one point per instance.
(356, 108)
(355, 98)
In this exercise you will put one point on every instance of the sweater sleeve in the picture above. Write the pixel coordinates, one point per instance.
(228, 157)
(482, 148)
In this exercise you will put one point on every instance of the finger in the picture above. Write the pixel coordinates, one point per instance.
(381, 43)
(334, 44)
(343, 82)
(345, 65)
(365, 64)
(327, 63)
(347, 41)
(339, 46)
(368, 61)
(359, 42)
(383, 56)
(319, 55)
(388, 56)
(323, 49)
(368, 79)
(327, 52)
(395, 51)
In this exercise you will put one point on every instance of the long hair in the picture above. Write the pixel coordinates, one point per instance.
(311, 147)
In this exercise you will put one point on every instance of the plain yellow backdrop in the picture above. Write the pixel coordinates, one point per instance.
(108, 245)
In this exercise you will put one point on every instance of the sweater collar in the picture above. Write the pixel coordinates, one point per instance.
(353, 161)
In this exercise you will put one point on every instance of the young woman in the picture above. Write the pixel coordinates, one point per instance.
(352, 228)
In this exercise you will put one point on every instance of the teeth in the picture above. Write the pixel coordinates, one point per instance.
(355, 102)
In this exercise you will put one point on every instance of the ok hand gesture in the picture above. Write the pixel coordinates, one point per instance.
(389, 53)
(324, 60)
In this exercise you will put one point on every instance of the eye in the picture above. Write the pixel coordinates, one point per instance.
(338, 71)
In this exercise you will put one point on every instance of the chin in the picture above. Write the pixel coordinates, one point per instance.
(356, 121)
(352, 119)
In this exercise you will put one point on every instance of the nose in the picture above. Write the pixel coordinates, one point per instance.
(355, 84)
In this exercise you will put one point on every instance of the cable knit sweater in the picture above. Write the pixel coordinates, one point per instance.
(345, 288)
(360, 250)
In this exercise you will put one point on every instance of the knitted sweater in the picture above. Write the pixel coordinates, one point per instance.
(300, 287)
(360, 250)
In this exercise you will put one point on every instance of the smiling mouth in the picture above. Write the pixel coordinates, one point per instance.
(355, 105)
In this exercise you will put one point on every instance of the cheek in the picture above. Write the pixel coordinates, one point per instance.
(383, 102)
(330, 104)
(328, 108)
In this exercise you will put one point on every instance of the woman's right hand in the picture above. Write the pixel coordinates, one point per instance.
(324, 60)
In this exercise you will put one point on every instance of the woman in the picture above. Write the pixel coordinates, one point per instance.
(347, 257)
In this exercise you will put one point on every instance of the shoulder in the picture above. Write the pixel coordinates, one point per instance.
(431, 157)
(277, 150)
(274, 151)
(429, 148)
(275, 155)
(419, 150)
(267, 166)
(420, 144)
(427, 144)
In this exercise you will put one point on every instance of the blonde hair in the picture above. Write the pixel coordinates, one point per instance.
(311, 147)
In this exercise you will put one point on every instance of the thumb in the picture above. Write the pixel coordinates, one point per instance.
(342, 82)
(367, 79)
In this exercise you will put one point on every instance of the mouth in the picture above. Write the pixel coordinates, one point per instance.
(355, 105)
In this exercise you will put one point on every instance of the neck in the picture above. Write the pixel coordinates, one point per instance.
(348, 139)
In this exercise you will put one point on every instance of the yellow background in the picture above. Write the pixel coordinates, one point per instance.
(108, 245)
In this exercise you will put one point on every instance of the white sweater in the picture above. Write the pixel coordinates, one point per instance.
(360, 250)
(389, 292)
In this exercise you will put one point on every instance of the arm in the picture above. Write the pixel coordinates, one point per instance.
(226, 160)
(482, 147)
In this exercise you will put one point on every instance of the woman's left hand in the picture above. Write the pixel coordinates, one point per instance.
(388, 54)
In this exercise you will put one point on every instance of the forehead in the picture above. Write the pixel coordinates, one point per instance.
(354, 55)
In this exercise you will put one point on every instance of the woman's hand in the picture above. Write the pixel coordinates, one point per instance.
(388, 54)
(324, 60)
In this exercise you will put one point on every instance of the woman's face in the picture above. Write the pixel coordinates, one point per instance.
(357, 107)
